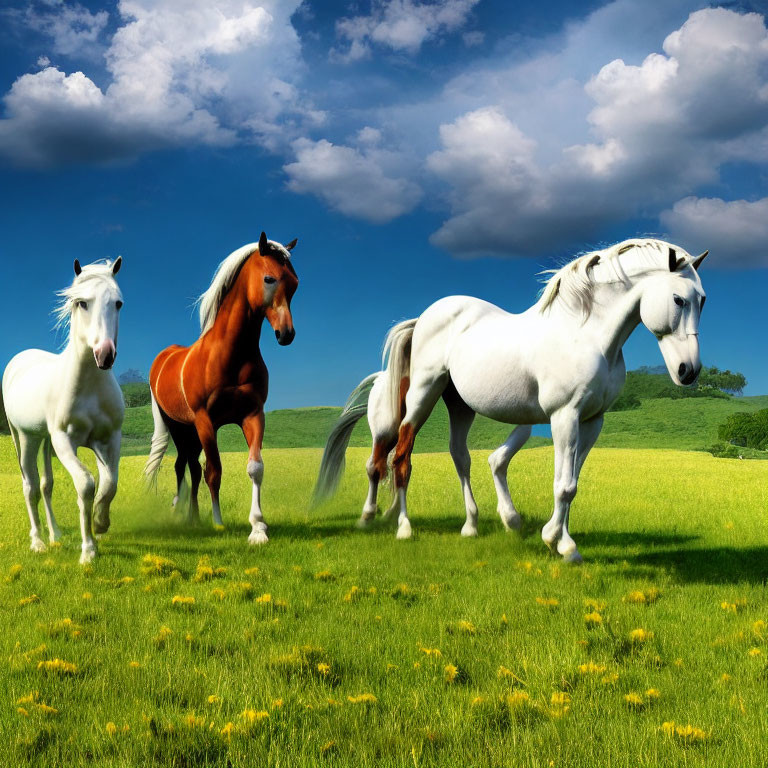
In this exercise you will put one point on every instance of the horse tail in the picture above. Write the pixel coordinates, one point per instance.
(397, 354)
(159, 446)
(332, 463)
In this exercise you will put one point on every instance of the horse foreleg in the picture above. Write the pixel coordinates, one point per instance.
(108, 462)
(253, 429)
(461, 417)
(28, 448)
(499, 462)
(54, 534)
(207, 435)
(66, 450)
(573, 441)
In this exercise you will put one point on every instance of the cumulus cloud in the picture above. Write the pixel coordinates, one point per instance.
(735, 231)
(205, 71)
(358, 182)
(661, 129)
(400, 25)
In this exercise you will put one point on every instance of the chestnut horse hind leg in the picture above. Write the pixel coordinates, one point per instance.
(206, 432)
(253, 429)
(188, 449)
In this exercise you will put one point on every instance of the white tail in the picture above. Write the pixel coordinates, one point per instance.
(397, 355)
(159, 446)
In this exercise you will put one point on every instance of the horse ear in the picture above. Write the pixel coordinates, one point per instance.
(697, 261)
(78, 268)
(674, 262)
(292, 244)
(263, 244)
(117, 264)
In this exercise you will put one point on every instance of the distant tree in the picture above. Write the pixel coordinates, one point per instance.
(131, 376)
(727, 381)
(136, 394)
(746, 429)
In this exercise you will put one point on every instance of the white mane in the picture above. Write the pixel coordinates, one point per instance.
(224, 278)
(98, 271)
(574, 283)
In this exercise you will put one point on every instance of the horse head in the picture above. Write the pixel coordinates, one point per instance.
(670, 307)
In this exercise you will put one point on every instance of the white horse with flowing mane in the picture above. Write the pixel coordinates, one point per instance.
(69, 400)
(559, 362)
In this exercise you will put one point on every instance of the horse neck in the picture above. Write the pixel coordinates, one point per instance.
(615, 315)
(236, 321)
(80, 367)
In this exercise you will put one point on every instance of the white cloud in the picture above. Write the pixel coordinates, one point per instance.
(361, 183)
(735, 231)
(400, 25)
(661, 128)
(205, 71)
(72, 28)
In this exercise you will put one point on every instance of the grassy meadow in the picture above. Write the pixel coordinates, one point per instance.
(339, 647)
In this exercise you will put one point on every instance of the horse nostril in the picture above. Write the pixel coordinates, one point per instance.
(681, 370)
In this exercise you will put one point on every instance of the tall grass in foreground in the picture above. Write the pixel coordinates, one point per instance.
(335, 646)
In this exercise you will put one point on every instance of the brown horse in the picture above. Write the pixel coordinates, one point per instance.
(222, 379)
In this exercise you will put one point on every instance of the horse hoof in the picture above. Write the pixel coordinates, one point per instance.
(37, 545)
(258, 537)
(511, 522)
(469, 531)
(100, 528)
(404, 530)
(573, 557)
(364, 522)
(219, 527)
(88, 556)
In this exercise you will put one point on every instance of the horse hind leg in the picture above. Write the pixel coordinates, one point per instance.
(499, 463)
(461, 417)
(420, 399)
(195, 476)
(54, 533)
(28, 448)
(180, 468)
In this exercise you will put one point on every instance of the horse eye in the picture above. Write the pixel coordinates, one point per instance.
(82, 304)
(119, 304)
(268, 279)
(679, 300)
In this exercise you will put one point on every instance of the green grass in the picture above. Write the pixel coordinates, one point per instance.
(692, 526)
(687, 424)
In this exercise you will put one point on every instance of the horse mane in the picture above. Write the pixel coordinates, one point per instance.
(224, 278)
(99, 270)
(574, 282)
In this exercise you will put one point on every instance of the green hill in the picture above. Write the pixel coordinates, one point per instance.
(687, 424)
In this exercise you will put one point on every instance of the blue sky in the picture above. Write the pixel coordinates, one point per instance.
(416, 149)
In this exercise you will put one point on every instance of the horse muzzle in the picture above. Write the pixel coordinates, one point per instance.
(285, 336)
(105, 353)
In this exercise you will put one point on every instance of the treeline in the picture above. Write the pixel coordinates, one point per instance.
(746, 430)
(647, 384)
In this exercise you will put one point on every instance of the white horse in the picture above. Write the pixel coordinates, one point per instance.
(69, 400)
(559, 362)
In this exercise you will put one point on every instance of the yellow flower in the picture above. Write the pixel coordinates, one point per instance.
(478, 700)
(736, 606)
(134, 665)
(688, 734)
(251, 716)
(550, 602)
(363, 698)
(324, 576)
(593, 619)
(193, 721)
(431, 651)
(517, 698)
(28, 600)
(218, 593)
(725, 678)
(595, 605)
(324, 669)
(610, 678)
(590, 668)
(265, 599)
(352, 595)
(46, 710)
(504, 620)
(22, 711)
(329, 746)
(14, 573)
(87, 596)
(252, 571)
(467, 627)
(640, 635)
(634, 700)
(277, 704)
(451, 673)
(226, 731)
(504, 672)
(183, 601)
(58, 666)
(214, 699)
(154, 565)
(561, 703)
(653, 693)
(111, 728)
(755, 652)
